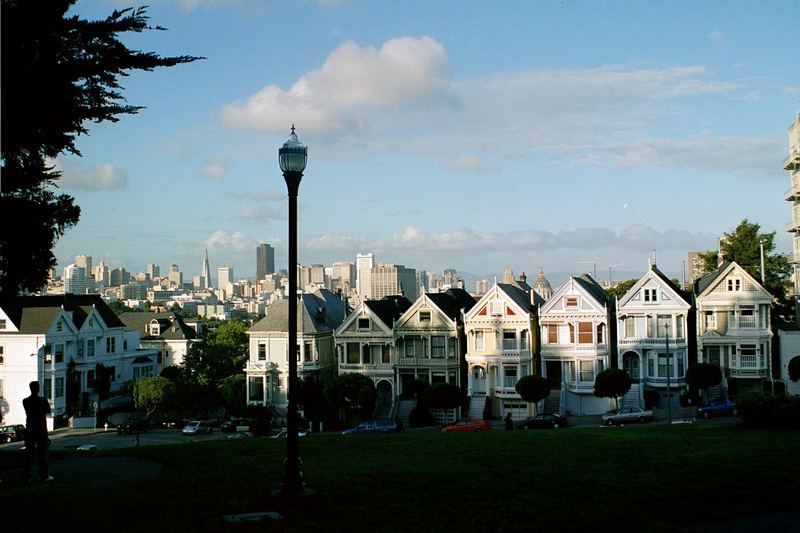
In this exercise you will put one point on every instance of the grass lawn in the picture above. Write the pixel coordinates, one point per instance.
(648, 478)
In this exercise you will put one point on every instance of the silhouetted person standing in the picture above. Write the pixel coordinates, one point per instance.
(36, 440)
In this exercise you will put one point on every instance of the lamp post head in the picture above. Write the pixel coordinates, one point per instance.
(293, 155)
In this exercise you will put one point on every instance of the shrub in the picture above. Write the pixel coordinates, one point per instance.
(651, 398)
(794, 368)
(443, 396)
(533, 388)
(702, 376)
(612, 383)
(762, 410)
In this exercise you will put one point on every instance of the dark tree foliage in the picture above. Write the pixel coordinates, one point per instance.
(222, 353)
(533, 389)
(352, 392)
(612, 383)
(702, 376)
(233, 393)
(794, 368)
(102, 380)
(743, 245)
(59, 73)
(619, 290)
(444, 396)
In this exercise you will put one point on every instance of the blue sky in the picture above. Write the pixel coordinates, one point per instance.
(473, 135)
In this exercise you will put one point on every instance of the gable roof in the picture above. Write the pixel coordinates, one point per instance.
(680, 292)
(593, 288)
(452, 302)
(389, 308)
(701, 284)
(654, 271)
(316, 313)
(519, 296)
(35, 314)
(139, 321)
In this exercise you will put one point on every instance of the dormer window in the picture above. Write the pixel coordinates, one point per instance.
(571, 302)
(424, 316)
(363, 323)
(734, 285)
(2, 323)
(650, 295)
(59, 326)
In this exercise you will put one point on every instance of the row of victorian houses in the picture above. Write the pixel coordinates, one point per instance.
(654, 332)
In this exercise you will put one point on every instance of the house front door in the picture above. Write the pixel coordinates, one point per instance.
(478, 380)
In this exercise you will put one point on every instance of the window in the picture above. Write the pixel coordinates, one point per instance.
(585, 333)
(142, 371)
(664, 364)
(600, 330)
(650, 295)
(262, 352)
(552, 333)
(352, 353)
(747, 316)
(363, 323)
(679, 326)
(651, 370)
(451, 347)
(47, 389)
(59, 353)
(90, 348)
(386, 354)
(2, 355)
(59, 325)
(523, 339)
(572, 333)
(308, 354)
(255, 388)
(681, 367)
(662, 325)
(111, 344)
(496, 308)
(424, 316)
(734, 285)
(480, 340)
(571, 302)
(747, 356)
(509, 377)
(630, 326)
(509, 339)
(376, 350)
(366, 355)
(437, 346)
(2, 323)
(587, 371)
(711, 320)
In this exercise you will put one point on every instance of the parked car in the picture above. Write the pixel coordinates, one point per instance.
(543, 421)
(717, 407)
(283, 433)
(196, 427)
(12, 433)
(133, 425)
(628, 415)
(379, 425)
(467, 424)
(230, 425)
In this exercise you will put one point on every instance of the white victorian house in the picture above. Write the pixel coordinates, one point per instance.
(653, 324)
(46, 338)
(575, 325)
(733, 326)
(500, 333)
(318, 315)
(166, 333)
(365, 344)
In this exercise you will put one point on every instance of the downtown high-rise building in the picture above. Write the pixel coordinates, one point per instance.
(265, 261)
(85, 262)
(205, 273)
(74, 279)
(391, 280)
(364, 264)
(153, 270)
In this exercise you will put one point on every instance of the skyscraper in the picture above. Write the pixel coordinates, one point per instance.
(265, 261)
(74, 279)
(364, 264)
(205, 273)
(154, 270)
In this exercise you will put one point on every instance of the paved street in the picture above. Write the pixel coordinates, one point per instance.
(64, 439)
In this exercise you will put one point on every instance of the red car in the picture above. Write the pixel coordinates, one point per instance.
(467, 424)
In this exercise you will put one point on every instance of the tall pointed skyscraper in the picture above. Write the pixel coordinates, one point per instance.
(205, 273)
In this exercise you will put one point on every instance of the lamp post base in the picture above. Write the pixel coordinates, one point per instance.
(292, 485)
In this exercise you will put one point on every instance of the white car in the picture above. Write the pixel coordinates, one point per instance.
(628, 415)
(196, 427)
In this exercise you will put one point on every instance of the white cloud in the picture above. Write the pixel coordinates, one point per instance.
(262, 213)
(329, 243)
(222, 242)
(471, 163)
(214, 170)
(353, 79)
(719, 37)
(104, 176)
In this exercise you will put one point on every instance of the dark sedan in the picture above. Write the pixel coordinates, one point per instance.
(543, 421)
(12, 433)
(718, 407)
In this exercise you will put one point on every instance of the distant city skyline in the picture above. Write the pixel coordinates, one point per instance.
(537, 134)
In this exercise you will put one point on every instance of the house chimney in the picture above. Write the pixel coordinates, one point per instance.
(522, 278)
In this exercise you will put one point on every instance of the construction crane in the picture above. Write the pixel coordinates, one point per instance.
(609, 271)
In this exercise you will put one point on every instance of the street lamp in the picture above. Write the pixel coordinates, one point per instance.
(292, 157)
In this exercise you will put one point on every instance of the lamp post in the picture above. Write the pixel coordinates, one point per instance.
(292, 157)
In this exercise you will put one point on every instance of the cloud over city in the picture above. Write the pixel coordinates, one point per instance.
(100, 177)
